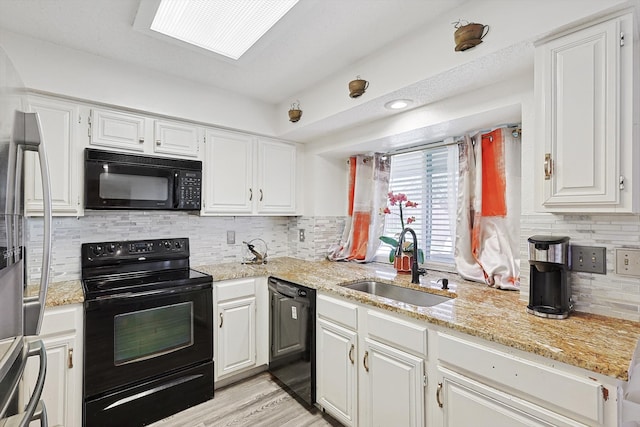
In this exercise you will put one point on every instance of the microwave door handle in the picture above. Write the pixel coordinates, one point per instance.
(32, 140)
(176, 186)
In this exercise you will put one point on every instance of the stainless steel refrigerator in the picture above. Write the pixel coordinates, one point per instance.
(20, 316)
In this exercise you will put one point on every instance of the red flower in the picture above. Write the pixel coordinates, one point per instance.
(386, 210)
(411, 204)
(411, 219)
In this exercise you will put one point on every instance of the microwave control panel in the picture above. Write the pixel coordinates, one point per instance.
(189, 189)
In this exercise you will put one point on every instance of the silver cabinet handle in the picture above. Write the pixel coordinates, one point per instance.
(548, 166)
(438, 393)
(141, 140)
(365, 361)
(250, 194)
(221, 319)
(158, 142)
(261, 194)
(351, 354)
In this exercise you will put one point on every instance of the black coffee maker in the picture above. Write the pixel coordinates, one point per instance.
(549, 287)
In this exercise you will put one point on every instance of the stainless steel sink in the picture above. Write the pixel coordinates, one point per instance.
(398, 293)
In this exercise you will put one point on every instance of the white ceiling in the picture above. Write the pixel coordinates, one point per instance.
(314, 40)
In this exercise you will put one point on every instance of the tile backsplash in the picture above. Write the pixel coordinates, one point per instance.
(207, 236)
(608, 294)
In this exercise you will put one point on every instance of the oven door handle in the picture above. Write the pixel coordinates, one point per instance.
(165, 291)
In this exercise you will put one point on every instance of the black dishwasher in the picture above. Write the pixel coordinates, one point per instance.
(292, 337)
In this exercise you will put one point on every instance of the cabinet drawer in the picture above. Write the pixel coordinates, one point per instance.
(397, 332)
(232, 289)
(581, 396)
(337, 311)
(61, 319)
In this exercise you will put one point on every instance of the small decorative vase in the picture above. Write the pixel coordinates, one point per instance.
(403, 263)
(294, 115)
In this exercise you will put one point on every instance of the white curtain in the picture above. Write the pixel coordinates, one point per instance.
(487, 230)
(368, 188)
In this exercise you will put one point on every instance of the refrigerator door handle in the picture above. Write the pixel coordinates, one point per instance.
(32, 141)
(35, 409)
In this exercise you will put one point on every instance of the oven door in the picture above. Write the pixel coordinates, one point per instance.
(111, 185)
(131, 338)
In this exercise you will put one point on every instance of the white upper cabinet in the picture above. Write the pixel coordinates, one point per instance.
(117, 130)
(176, 138)
(145, 135)
(60, 125)
(228, 173)
(584, 85)
(276, 177)
(244, 175)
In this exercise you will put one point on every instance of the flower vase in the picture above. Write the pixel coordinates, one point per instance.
(403, 263)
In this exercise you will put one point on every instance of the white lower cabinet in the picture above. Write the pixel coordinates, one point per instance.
(62, 336)
(336, 371)
(370, 366)
(392, 386)
(466, 402)
(239, 338)
(484, 384)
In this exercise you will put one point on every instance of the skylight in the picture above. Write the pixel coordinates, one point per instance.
(227, 27)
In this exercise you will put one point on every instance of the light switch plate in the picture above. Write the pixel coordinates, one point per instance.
(589, 259)
(231, 237)
(301, 234)
(628, 262)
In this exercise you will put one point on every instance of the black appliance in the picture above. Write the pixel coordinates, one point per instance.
(126, 181)
(292, 337)
(549, 285)
(148, 334)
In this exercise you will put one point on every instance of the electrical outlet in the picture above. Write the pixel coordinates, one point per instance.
(301, 234)
(589, 259)
(231, 237)
(628, 262)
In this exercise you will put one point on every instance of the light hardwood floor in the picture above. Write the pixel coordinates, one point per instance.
(257, 401)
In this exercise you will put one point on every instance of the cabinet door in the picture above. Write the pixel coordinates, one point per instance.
(580, 89)
(59, 392)
(228, 173)
(392, 387)
(277, 177)
(175, 138)
(117, 130)
(469, 403)
(236, 335)
(336, 371)
(59, 122)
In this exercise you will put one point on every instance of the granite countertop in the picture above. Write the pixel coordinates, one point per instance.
(597, 343)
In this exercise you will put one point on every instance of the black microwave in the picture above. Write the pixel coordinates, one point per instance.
(126, 181)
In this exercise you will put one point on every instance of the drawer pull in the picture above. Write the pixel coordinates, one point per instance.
(351, 354)
(70, 359)
(365, 361)
(221, 319)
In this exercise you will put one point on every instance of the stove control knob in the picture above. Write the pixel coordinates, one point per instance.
(111, 248)
(178, 244)
(97, 250)
(167, 244)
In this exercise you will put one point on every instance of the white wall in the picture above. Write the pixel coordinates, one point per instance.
(52, 68)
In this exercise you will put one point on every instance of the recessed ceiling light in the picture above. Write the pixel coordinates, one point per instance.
(398, 104)
(227, 27)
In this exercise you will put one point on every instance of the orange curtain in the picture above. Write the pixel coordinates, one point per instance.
(487, 229)
(368, 187)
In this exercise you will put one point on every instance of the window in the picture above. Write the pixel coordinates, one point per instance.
(430, 178)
